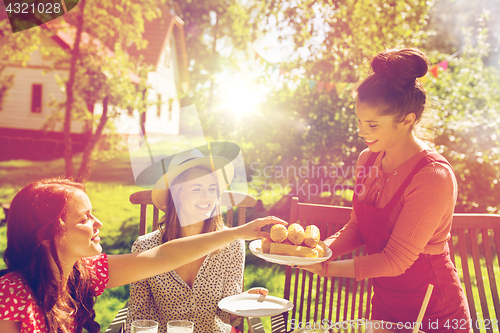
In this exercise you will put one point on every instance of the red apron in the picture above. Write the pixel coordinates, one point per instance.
(398, 299)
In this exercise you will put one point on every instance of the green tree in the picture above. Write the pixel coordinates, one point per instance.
(468, 131)
(111, 25)
(100, 69)
(447, 19)
(218, 32)
(301, 127)
(6, 82)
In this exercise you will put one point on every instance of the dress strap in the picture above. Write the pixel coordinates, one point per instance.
(369, 162)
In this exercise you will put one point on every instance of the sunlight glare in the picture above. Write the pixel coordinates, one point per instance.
(242, 97)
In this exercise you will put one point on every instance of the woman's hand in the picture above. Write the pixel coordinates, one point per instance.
(315, 268)
(257, 290)
(251, 230)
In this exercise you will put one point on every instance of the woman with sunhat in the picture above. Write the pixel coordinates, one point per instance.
(55, 267)
(403, 204)
(189, 194)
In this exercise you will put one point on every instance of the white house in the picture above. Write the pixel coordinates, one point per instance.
(26, 108)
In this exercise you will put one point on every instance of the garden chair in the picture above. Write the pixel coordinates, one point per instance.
(229, 199)
(474, 248)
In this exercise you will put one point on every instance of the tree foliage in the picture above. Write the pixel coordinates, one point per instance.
(468, 132)
(299, 127)
(100, 70)
(218, 32)
(6, 82)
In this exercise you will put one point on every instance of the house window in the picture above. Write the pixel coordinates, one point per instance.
(36, 98)
(170, 108)
(158, 105)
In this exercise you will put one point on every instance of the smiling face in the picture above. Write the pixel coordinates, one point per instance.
(195, 198)
(381, 133)
(80, 237)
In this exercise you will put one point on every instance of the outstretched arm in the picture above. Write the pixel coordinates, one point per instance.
(127, 268)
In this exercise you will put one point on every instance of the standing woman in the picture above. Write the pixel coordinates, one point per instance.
(189, 194)
(55, 267)
(403, 204)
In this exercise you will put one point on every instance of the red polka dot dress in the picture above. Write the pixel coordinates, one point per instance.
(18, 304)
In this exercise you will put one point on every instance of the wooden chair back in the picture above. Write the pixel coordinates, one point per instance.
(229, 199)
(316, 298)
(474, 249)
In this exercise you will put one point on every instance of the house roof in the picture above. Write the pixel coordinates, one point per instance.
(64, 35)
(158, 33)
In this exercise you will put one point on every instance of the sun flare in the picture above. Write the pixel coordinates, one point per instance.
(241, 97)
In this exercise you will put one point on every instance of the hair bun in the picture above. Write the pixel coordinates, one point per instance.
(403, 66)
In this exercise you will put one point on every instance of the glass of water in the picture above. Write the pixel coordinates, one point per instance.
(180, 326)
(144, 326)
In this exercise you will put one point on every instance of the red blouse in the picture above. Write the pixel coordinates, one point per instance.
(18, 304)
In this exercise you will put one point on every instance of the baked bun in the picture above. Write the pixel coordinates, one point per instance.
(266, 245)
(296, 233)
(311, 236)
(278, 233)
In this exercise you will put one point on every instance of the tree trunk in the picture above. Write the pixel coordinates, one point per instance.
(87, 161)
(75, 55)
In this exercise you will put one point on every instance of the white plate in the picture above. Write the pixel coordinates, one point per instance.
(256, 248)
(253, 305)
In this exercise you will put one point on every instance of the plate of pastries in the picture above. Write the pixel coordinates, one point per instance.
(292, 246)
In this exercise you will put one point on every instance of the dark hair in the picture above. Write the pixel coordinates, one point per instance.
(393, 85)
(35, 219)
(169, 225)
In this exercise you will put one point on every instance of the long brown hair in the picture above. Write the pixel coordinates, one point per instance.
(169, 225)
(35, 219)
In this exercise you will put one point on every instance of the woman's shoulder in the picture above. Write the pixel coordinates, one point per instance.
(148, 241)
(14, 291)
(437, 173)
(438, 164)
(13, 279)
(236, 246)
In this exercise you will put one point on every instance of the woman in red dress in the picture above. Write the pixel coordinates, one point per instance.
(55, 267)
(403, 204)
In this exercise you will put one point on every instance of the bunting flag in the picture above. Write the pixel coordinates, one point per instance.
(329, 86)
(320, 86)
(434, 71)
(339, 86)
(444, 65)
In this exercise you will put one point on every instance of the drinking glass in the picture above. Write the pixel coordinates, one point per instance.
(180, 326)
(144, 326)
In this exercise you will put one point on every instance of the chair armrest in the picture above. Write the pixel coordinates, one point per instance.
(118, 324)
(278, 323)
(255, 325)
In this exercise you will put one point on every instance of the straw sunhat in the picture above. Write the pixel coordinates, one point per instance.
(221, 168)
